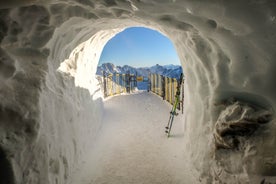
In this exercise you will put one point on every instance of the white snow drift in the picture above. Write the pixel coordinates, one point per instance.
(49, 53)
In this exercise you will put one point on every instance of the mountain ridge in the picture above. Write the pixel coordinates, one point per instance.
(172, 71)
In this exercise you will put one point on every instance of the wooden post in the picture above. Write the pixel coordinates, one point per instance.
(135, 80)
(149, 82)
(163, 87)
(128, 82)
(104, 81)
(182, 95)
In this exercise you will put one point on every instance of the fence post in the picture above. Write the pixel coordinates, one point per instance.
(163, 87)
(135, 80)
(128, 82)
(149, 82)
(152, 83)
(160, 85)
(182, 95)
(154, 87)
(170, 90)
(110, 85)
(174, 90)
(104, 81)
(124, 82)
(117, 83)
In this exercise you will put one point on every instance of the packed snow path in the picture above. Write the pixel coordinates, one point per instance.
(132, 147)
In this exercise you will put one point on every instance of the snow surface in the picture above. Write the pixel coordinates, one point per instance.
(132, 147)
(51, 106)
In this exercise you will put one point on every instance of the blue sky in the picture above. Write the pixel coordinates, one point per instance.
(139, 47)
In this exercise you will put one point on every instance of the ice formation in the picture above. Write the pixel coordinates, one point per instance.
(236, 121)
(50, 110)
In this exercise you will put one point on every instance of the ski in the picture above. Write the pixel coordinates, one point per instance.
(174, 107)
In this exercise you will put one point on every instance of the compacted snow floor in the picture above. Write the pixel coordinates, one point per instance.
(132, 147)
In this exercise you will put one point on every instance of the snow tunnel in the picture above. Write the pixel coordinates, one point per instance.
(51, 111)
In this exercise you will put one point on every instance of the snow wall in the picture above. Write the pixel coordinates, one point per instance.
(51, 108)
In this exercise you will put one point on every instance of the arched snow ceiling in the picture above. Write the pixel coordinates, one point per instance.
(227, 49)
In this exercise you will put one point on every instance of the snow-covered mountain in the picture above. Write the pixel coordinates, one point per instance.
(171, 66)
(172, 71)
(108, 68)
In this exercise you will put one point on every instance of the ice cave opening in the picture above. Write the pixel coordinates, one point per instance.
(84, 59)
(139, 51)
(49, 53)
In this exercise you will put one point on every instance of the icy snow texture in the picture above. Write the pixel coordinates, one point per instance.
(237, 121)
(49, 106)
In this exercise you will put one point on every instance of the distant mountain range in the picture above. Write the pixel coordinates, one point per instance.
(172, 71)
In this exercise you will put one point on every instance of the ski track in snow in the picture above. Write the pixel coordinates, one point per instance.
(132, 147)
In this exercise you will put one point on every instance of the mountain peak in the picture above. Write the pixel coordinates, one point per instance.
(172, 71)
